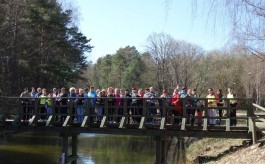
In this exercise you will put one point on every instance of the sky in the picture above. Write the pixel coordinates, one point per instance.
(115, 24)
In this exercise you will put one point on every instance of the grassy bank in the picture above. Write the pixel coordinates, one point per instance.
(211, 149)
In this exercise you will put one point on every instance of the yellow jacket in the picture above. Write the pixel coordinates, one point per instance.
(211, 101)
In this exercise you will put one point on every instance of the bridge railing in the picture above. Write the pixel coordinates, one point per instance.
(125, 111)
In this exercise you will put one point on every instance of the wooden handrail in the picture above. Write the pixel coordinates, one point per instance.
(258, 106)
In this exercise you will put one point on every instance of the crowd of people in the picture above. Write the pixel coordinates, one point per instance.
(182, 102)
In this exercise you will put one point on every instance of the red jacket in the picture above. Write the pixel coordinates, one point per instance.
(176, 101)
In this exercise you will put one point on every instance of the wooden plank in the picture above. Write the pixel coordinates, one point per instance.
(122, 122)
(205, 124)
(142, 123)
(33, 120)
(50, 119)
(254, 134)
(162, 123)
(183, 124)
(260, 126)
(250, 125)
(67, 121)
(227, 124)
(102, 124)
(261, 141)
(84, 123)
(258, 106)
(262, 119)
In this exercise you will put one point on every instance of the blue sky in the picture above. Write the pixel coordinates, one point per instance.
(114, 24)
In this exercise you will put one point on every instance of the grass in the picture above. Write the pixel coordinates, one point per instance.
(211, 148)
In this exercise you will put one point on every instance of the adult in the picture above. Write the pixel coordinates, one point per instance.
(55, 97)
(111, 98)
(100, 104)
(33, 92)
(49, 103)
(220, 103)
(134, 104)
(39, 92)
(138, 104)
(233, 103)
(197, 104)
(80, 106)
(176, 111)
(211, 103)
(151, 95)
(72, 99)
(92, 95)
(63, 98)
(43, 104)
(179, 88)
(129, 103)
(25, 102)
(190, 107)
(165, 99)
(33, 100)
(117, 104)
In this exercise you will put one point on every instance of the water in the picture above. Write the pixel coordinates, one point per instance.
(43, 148)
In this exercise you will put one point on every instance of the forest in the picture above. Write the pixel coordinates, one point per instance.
(41, 46)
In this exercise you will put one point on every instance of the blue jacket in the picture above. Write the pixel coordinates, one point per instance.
(93, 95)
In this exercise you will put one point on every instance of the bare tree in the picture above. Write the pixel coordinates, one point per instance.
(245, 17)
(175, 60)
(160, 47)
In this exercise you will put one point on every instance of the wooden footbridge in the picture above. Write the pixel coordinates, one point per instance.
(27, 115)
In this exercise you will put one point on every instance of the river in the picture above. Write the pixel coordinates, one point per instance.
(44, 148)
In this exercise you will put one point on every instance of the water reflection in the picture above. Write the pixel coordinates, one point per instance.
(45, 148)
(116, 149)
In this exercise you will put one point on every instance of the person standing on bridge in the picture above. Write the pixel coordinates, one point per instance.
(63, 104)
(92, 94)
(80, 106)
(151, 102)
(117, 103)
(43, 104)
(220, 103)
(72, 100)
(176, 111)
(233, 103)
(100, 104)
(134, 108)
(165, 99)
(129, 102)
(190, 106)
(138, 106)
(111, 98)
(211, 103)
(25, 101)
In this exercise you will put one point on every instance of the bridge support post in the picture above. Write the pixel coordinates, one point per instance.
(181, 150)
(160, 150)
(253, 129)
(65, 158)
(74, 149)
(64, 149)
